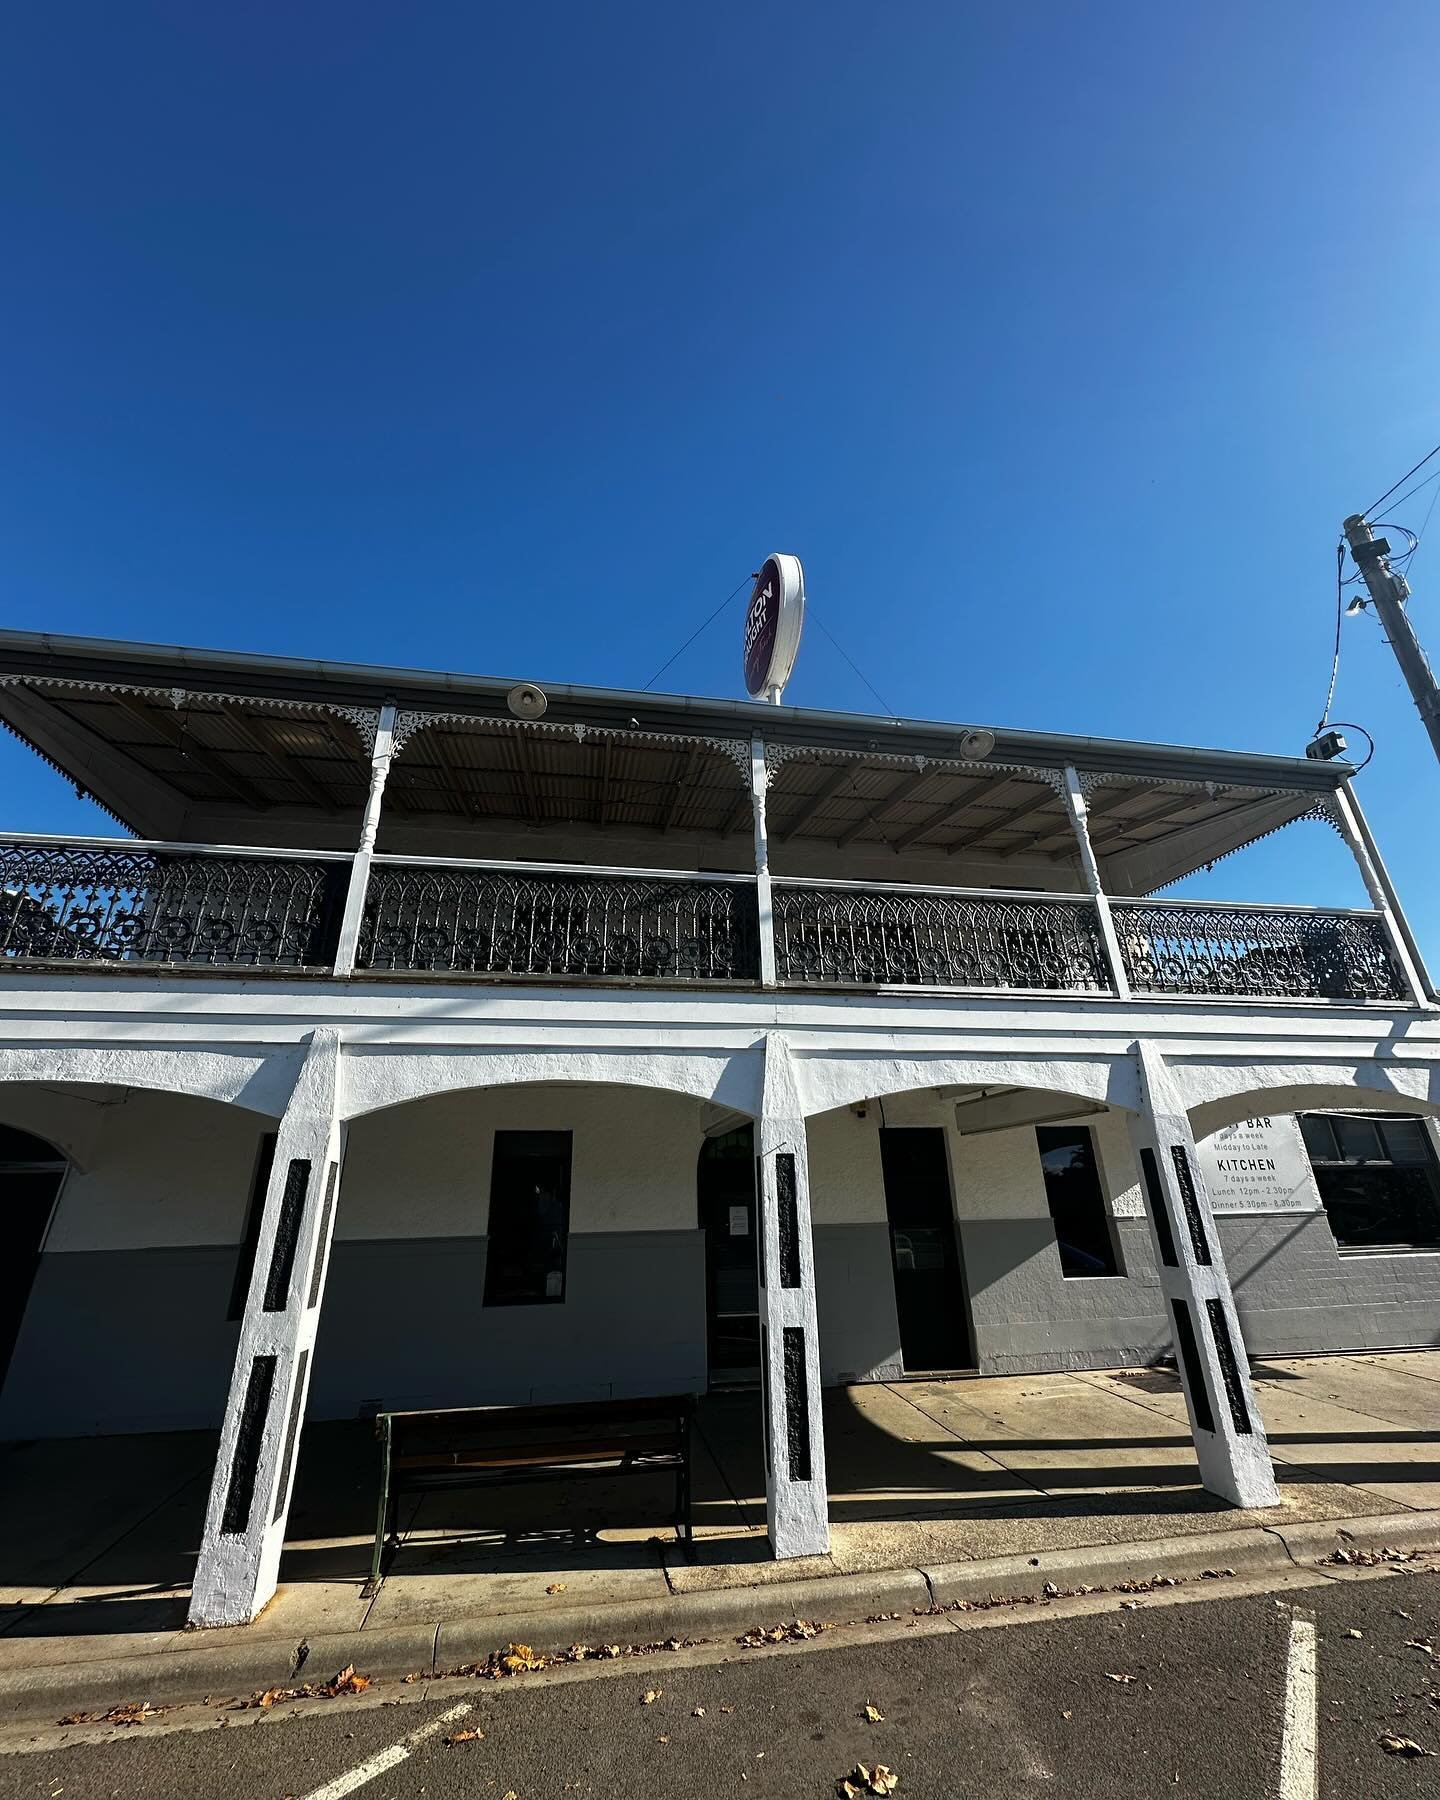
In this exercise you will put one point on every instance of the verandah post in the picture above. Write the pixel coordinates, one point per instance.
(380, 759)
(797, 1507)
(1230, 1441)
(259, 1440)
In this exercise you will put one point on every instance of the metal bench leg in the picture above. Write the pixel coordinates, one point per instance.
(386, 1517)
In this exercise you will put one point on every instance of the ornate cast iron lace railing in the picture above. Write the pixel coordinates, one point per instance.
(1252, 952)
(97, 901)
(931, 937)
(473, 919)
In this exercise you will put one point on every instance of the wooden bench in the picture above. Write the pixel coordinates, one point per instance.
(486, 1446)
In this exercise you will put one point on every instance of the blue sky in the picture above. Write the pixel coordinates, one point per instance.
(1056, 340)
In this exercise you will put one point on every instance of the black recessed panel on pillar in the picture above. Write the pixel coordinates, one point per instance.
(1194, 1368)
(797, 1404)
(1159, 1211)
(765, 1395)
(287, 1234)
(1190, 1200)
(245, 1464)
(292, 1431)
(1229, 1367)
(789, 1220)
(323, 1238)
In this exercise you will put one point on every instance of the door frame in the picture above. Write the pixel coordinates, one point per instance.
(958, 1241)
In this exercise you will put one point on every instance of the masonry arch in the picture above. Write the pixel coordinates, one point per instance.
(1369, 1087)
(137, 1264)
(379, 1080)
(439, 1267)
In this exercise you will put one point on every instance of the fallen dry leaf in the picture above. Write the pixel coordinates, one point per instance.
(650, 1696)
(1352, 1632)
(1067, 1715)
(698, 1713)
(557, 1587)
(347, 1682)
(874, 1714)
(511, 1794)
(466, 1735)
(664, 1738)
(862, 1779)
(1403, 1746)
(1123, 1678)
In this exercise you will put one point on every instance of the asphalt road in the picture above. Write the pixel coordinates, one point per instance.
(1015, 1709)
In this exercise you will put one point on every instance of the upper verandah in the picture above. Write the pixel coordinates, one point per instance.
(210, 747)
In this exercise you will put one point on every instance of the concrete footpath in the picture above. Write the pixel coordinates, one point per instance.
(942, 1493)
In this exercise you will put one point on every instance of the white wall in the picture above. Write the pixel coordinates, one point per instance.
(424, 1170)
(159, 1170)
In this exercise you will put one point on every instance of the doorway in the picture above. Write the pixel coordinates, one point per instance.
(30, 1175)
(726, 1186)
(930, 1299)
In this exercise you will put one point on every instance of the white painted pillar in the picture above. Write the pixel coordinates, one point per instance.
(259, 1439)
(380, 759)
(759, 781)
(796, 1498)
(1230, 1442)
(1080, 824)
(1356, 833)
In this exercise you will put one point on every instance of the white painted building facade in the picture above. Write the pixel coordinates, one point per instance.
(290, 1096)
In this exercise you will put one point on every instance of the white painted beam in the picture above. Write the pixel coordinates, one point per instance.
(1076, 808)
(759, 781)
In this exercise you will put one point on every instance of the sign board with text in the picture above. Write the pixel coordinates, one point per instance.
(1258, 1166)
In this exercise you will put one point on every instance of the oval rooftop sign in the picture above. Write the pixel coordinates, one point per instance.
(772, 625)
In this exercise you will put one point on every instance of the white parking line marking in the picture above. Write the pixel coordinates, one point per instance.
(1300, 1743)
(385, 1759)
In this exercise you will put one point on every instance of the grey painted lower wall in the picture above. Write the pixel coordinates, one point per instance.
(138, 1340)
(855, 1304)
(133, 1340)
(404, 1325)
(1296, 1290)
(1029, 1316)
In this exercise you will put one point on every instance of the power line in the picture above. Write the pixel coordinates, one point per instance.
(1410, 562)
(1400, 483)
(696, 633)
(1415, 490)
(1339, 615)
(885, 704)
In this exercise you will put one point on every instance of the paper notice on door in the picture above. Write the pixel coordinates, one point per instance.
(739, 1221)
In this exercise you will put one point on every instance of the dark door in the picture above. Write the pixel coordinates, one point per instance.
(925, 1251)
(726, 1185)
(30, 1175)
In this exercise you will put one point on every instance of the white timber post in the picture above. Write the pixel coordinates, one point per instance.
(797, 1507)
(380, 758)
(1230, 1441)
(1348, 817)
(764, 898)
(255, 1465)
(1080, 825)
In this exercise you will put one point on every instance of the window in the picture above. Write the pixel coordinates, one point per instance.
(529, 1219)
(1377, 1179)
(1077, 1204)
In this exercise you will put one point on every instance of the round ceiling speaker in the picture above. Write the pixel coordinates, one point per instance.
(977, 744)
(527, 701)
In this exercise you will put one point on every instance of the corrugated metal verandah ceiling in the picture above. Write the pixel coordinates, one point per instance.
(258, 757)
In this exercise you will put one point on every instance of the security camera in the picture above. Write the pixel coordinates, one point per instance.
(1326, 747)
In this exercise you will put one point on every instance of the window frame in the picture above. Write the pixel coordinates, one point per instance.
(490, 1296)
(1117, 1270)
(1429, 1162)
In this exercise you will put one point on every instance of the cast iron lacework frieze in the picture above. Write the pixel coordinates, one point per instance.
(1255, 951)
(83, 903)
(883, 937)
(504, 922)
